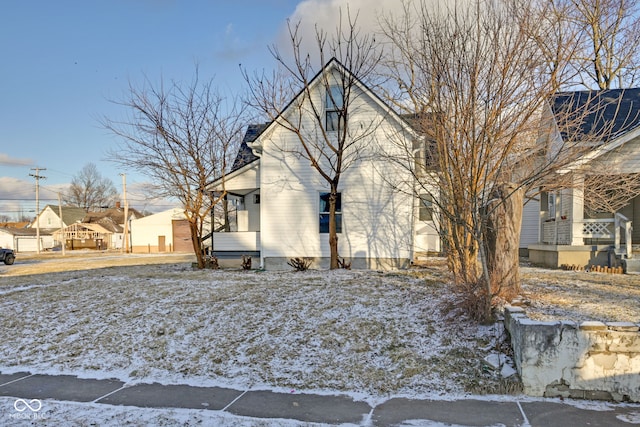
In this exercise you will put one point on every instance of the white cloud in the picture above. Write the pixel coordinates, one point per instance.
(325, 15)
(7, 160)
(16, 188)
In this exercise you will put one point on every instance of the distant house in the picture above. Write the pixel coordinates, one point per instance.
(84, 236)
(278, 202)
(84, 230)
(112, 220)
(166, 231)
(49, 217)
(610, 129)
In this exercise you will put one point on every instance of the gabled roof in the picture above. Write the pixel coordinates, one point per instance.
(245, 153)
(20, 231)
(115, 215)
(70, 215)
(597, 116)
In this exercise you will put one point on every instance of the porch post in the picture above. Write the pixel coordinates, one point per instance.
(576, 215)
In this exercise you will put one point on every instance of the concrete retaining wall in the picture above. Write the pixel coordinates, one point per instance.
(592, 360)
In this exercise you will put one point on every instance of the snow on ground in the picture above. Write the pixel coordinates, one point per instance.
(365, 333)
(368, 334)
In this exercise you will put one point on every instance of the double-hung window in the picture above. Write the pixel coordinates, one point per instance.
(324, 212)
(334, 104)
(425, 210)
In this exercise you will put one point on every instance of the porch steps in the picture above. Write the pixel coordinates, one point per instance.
(631, 265)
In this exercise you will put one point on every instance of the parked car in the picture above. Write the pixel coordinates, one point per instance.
(7, 256)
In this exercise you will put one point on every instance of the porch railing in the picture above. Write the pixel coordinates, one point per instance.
(556, 232)
(559, 232)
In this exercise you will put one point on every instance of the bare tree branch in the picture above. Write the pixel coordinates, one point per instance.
(181, 137)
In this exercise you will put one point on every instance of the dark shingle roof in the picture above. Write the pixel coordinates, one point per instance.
(245, 155)
(597, 115)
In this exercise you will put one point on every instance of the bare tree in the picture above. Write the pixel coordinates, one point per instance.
(604, 34)
(611, 56)
(89, 190)
(479, 84)
(328, 142)
(180, 137)
(608, 193)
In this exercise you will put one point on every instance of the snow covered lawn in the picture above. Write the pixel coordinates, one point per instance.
(360, 332)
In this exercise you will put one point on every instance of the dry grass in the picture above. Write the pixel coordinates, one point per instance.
(53, 262)
(579, 296)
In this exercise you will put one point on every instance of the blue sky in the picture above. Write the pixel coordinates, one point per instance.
(64, 60)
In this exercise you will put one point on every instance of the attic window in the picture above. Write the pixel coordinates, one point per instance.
(334, 104)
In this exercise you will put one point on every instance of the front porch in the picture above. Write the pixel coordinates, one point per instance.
(583, 243)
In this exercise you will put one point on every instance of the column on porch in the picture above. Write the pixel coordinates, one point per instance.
(576, 210)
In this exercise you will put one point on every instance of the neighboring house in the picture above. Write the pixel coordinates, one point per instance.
(112, 220)
(49, 217)
(166, 231)
(84, 236)
(278, 201)
(24, 239)
(84, 230)
(569, 233)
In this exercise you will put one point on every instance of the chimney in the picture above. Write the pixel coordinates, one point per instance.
(118, 205)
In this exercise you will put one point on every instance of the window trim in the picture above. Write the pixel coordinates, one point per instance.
(333, 104)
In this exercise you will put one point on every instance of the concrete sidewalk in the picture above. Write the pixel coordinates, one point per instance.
(331, 410)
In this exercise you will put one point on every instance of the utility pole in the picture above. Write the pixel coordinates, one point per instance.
(125, 243)
(38, 177)
(62, 233)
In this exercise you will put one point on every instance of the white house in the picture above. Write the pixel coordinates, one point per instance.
(24, 239)
(279, 201)
(49, 218)
(166, 231)
(608, 125)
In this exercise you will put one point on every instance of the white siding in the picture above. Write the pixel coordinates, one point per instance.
(377, 219)
(6, 240)
(48, 219)
(530, 228)
(245, 179)
(254, 210)
(624, 159)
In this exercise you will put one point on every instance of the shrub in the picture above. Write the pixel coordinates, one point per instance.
(300, 264)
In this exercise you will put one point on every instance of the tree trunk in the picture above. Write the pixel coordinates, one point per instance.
(462, 251)
(501, 239)
(333, 232)
(225, 210)
(196, 239)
